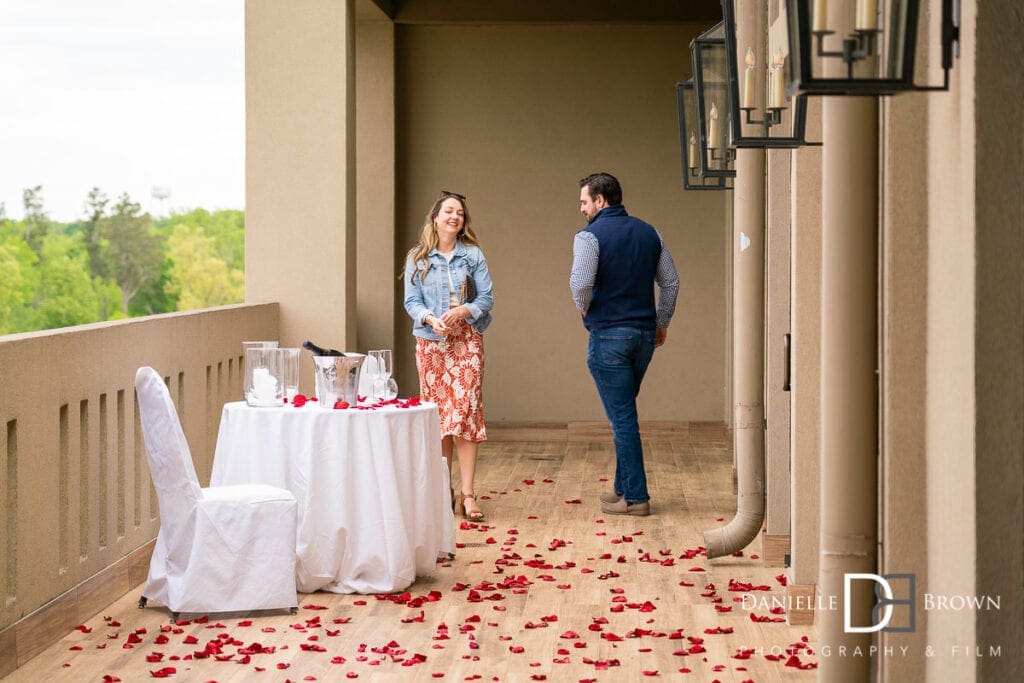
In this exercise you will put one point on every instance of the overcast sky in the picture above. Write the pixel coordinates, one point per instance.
(124, 95)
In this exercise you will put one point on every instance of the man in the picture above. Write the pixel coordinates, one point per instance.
(616, 261)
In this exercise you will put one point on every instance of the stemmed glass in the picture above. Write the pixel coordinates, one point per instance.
(384, 386)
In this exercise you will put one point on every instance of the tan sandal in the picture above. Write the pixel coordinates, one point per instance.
(474, 516)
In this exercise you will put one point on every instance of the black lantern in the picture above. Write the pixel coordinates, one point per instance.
(868, 49)
(689, 143)
(714, 110)
(777, 120)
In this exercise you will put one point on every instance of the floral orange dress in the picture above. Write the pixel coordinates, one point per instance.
(451, 375)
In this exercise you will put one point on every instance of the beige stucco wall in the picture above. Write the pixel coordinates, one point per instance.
(300, 169)
(376, 285)
(953, 354)
(512, 116)
(998, 143)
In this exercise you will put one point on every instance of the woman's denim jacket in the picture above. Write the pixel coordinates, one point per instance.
(431, 295)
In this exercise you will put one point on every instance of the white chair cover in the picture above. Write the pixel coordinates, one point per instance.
(219, 549)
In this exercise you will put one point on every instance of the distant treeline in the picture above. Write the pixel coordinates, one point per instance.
(116, 262)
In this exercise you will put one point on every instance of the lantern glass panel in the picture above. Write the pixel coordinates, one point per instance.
(714, 107)
(764, 113)
(869, 47)
(690, 145)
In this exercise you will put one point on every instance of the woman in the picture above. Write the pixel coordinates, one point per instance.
(448, 297)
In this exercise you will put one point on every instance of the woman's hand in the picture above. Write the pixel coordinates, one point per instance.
(454, 315)
(437, 324)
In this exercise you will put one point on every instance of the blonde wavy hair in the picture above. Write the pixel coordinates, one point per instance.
(428, 235)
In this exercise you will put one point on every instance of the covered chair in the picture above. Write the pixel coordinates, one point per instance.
(219, 549)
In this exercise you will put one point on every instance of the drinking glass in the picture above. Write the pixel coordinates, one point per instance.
(290, 371)
(376, 388)
(385, 366)
(384, 363)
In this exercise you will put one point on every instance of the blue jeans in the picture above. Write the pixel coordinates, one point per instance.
(618, 358)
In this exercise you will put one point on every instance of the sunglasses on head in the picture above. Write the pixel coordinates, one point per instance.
(446, 193)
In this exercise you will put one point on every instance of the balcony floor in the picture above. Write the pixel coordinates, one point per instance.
(629, 571)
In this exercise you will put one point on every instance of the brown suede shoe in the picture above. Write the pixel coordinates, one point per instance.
(610, 497)
(621, 507)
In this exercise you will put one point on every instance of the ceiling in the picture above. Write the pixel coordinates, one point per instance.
(540, 11)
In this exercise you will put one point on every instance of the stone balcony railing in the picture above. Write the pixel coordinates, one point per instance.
(77, 503)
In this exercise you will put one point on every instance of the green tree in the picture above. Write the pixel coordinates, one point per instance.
(108, 299)
(156, 297)
(19, 279)
(226, 227)
(35, 221)
(95, 209)
(115, 262)
(131, 251)
(198, 277)
(65, 293)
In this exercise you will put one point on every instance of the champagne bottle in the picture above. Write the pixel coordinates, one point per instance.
(319, 350)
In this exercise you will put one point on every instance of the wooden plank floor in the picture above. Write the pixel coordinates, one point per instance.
(565, 593)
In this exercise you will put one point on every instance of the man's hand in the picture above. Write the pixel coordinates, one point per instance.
(660, 335)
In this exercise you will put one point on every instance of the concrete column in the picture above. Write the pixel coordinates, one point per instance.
(777, 311)
(904, 280)
(300, 168)
(777, 408)
(849, 384)
(379, 264)
(805, 381)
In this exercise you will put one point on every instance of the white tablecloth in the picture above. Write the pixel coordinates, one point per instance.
(372, 487)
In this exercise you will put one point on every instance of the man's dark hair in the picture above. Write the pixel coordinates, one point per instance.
(604, 184)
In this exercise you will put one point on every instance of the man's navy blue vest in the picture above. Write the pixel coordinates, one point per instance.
(627, 263)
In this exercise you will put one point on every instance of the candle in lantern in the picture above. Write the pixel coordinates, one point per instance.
(692, 157)
(867, 15)
(778, 99)
(748, 81)
(820, 10)
(713, 127)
